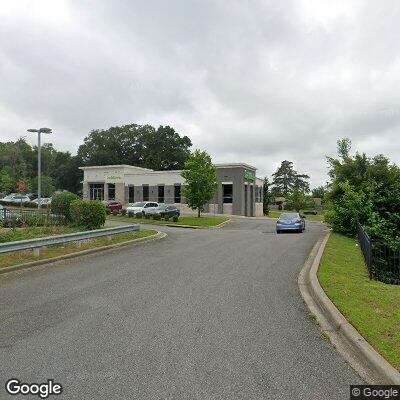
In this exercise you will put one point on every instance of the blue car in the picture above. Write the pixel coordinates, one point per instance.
(290, 222)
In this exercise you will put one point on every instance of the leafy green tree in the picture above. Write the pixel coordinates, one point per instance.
(201, 180)
(267, 195)
(298, 200)
(140, 145)
(285, 179)
(319, 192)
(366, 188)
(7, 183)
(47, 185)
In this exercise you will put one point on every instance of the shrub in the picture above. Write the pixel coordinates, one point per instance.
(157, 217)
(115, 212)
(166, 217)
(108, 211)
(88, 214)
(139, 215)
(131, 214)
(147, 216)
(175, 218)
(123, 212)
(61, 204)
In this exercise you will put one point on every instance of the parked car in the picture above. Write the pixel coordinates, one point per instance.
(44, 201)
(290, 222)
(9, 197)
(310, 212)
(141, 207)
(20, 198)
(32, 195)
(165, 209)
(113, 205)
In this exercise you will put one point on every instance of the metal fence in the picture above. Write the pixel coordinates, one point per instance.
(16, 217)
(382, 260)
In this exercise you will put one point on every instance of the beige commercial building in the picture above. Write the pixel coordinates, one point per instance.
(239, 191)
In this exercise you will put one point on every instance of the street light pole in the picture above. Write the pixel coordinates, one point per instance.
(39, 132)
(39, 168)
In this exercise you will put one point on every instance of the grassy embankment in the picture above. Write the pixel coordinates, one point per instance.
(19, 257)
(372, 307)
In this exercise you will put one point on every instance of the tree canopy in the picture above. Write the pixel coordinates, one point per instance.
(18, 162)
(201, 180)
(140, 145)
(286, 179)
(366, 190)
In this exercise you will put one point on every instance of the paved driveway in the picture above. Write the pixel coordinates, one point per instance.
(202, 314)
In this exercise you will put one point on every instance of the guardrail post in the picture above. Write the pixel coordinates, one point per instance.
(109, 238)
(36, 252)
(79, 244)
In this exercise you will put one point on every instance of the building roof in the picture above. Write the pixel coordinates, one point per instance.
(235, 165)
(132, 167)
(115, 166)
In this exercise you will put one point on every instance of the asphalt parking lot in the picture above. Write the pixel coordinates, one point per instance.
(202, 314)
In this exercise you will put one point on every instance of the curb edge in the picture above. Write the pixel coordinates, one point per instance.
(361, 356)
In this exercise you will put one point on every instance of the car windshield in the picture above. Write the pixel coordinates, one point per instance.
(138, 204)
(288, 216)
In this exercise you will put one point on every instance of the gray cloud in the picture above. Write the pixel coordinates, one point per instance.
(257, 81)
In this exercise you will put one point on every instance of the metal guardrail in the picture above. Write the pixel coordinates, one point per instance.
(69, 237)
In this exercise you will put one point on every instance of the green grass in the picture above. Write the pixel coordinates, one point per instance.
(276, 214)
(10, 235)
(25, 256)
(372, 307)
(183, 220)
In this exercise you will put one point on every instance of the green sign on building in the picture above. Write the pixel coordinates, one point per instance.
(249, 176)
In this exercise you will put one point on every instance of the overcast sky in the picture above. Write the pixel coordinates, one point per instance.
(248, 81)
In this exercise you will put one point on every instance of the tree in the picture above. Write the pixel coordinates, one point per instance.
(285, 179)
(47, 185)
(266, 196)
(319, 192)
(298, 200)
(364, 190)
(140, 145)
(201, 180)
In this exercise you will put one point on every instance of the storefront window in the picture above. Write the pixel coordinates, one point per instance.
(96, 191)
(131, 194)
(228, 193)
(177, 193)
(161, 194)
(145, 192)
(111, 191)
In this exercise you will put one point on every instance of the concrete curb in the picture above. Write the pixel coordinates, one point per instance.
(198, 227)
(187, 226)
(12, 268)
(369, 364)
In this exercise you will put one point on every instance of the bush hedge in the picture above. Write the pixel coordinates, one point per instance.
(88, 214)
(123, 212)
(175, 218)
(61, 204)
(157, 217)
